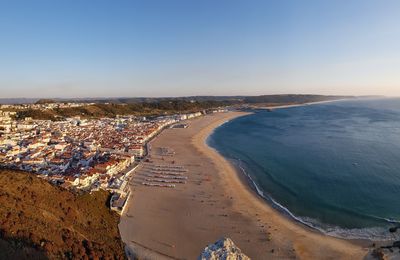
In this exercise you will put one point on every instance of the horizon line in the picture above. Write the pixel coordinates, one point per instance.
(189, 96)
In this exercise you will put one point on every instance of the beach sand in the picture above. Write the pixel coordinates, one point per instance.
(216, 202)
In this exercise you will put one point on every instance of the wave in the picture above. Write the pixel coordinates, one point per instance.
(370, 233)
(378, 233)
(389, 220)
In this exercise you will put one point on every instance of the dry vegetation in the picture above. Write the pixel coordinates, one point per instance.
(112, 110)
(40, 220)
(162, 106)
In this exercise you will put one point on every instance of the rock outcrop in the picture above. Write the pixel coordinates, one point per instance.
(391, 252)
(223, 249)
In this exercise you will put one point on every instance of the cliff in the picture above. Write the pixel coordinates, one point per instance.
(39, 220)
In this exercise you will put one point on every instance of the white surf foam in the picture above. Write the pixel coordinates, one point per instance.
(373, 233)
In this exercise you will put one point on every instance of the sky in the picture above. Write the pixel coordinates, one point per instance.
(97, 48)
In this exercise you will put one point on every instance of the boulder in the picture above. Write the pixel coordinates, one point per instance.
(223, 249)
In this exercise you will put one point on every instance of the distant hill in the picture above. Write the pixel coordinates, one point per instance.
(161, 99)
(162, 106)
(284, 98)
(12, 101)
(39, 220)
(132, 100)
(45, 101)
(290, 99)
(112, 110)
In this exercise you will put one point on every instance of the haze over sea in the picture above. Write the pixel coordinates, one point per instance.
(332, 166)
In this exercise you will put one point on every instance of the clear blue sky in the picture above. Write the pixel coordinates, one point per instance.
(95, 48)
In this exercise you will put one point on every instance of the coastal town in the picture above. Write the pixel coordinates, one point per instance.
(47, 105)
(208, 130)
(84, 154)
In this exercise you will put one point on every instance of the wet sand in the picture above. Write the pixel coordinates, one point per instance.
(177, 223)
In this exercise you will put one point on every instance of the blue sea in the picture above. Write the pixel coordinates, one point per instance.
(334, 167)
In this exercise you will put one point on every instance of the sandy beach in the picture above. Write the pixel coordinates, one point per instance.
(216, 202)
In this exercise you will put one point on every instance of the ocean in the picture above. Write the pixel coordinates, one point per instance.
(334, 166)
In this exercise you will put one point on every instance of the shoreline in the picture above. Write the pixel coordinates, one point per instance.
(253, 188)
(247, 183)
(303, 104)
(260, 230)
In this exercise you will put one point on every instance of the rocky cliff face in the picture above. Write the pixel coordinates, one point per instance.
(223, 249)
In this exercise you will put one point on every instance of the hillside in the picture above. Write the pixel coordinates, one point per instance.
(43, 221)
(112, 110)
(277, 99)
(289, 99)
(162, 106)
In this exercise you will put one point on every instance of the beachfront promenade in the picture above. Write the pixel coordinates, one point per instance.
(177, 223)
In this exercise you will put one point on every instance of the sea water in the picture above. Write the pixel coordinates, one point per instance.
(334, 167)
